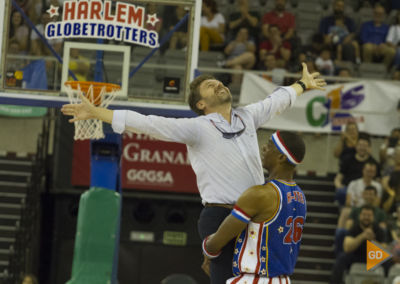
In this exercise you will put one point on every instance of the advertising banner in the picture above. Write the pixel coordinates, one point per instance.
(372, 104)
(146, 164)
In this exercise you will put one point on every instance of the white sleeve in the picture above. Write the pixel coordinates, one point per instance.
(181, 130)
(390, 35)
(274, 104)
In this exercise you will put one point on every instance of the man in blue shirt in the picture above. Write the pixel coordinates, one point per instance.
(339, 33)
(373, 38)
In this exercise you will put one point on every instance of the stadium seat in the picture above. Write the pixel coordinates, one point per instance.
(210, 58)
(394, 271)
(178, 279)
(358, 274)
(372, 70)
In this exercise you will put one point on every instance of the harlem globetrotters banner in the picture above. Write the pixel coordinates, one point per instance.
(146, 164)
(372, 104)
(104, 20)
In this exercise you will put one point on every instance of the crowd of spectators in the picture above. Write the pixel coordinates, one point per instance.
(251, 35)
(368, 194)
(337, 37)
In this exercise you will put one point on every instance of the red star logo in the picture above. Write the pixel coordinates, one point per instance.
(152, 19)
(53, 11)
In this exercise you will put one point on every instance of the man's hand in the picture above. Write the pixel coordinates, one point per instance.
(206, 265)
(311, 81)
(82, 111)
(369, 234)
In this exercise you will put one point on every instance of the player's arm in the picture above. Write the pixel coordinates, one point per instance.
(167, 129)
(283, 97)
(258, 203)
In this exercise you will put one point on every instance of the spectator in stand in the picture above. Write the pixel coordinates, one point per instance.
(37, 47)
(373, 39)
(270, 65)
(212, 27)
(387, 153)
(395, 226)
(79, 65)
(339, 33)
(369, 197)
(391, 193)
(240, 54)
(344, 73)
(29, 279)
(348, 140)
(356, 189)
(314, 49)
(151, 8)
(179, 37)
(243, 18)
(355, 245)
(324, 62)
(393, 39)
(19, 31)
(275, 44)
(351, 166)
(285, 21)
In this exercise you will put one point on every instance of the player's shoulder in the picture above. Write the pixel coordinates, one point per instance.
(259, 192)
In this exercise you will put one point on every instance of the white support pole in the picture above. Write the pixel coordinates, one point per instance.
(196, 38)
(2, 20)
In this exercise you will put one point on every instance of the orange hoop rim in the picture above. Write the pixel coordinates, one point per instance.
(97, 86)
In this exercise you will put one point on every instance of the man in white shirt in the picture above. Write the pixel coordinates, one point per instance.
(222, 144)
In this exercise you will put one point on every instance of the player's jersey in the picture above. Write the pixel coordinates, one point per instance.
(271, 248)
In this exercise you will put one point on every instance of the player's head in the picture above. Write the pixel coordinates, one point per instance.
(206, 92)
(284, 148)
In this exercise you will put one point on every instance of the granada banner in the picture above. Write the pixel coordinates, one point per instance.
(372, 104)
(151, 164)
(146, 164)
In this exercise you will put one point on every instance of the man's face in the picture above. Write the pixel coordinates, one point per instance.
(338, 7)
(214, 93)
(270, 62)
(280, 5)
(362, 147)
(269, 155)
(369, 196)
(366, 217)
(379, 15)
(369, 171)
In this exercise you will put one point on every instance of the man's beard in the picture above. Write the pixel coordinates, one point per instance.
(280, 7)
(338, 13)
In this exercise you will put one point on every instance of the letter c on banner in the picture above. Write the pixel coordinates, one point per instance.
(309, 112)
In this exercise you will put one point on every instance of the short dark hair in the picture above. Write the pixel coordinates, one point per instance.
(371, 187)
(364, 136)
(367, 207)
(394, 180)
(212, 4)
(194, 95)
(294, 143)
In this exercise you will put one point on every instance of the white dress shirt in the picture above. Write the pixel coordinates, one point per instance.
(224, 168)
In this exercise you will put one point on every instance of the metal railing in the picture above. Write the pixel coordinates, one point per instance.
(25, 250)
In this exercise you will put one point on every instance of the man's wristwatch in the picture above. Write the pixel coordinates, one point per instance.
(303, 86)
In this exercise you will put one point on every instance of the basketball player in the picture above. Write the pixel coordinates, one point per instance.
(222, 140)
(267, 220)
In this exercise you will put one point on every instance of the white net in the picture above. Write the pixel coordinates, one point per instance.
(91, 128)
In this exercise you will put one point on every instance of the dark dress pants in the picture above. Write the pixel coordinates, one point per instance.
(209, 221)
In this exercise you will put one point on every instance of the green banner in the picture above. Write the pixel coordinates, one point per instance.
(22, 111)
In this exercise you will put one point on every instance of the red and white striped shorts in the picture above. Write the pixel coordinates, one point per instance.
(256, 279)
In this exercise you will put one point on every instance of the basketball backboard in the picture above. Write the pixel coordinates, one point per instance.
(144, 46)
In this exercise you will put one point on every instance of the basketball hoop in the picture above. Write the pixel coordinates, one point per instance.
(98, 93)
